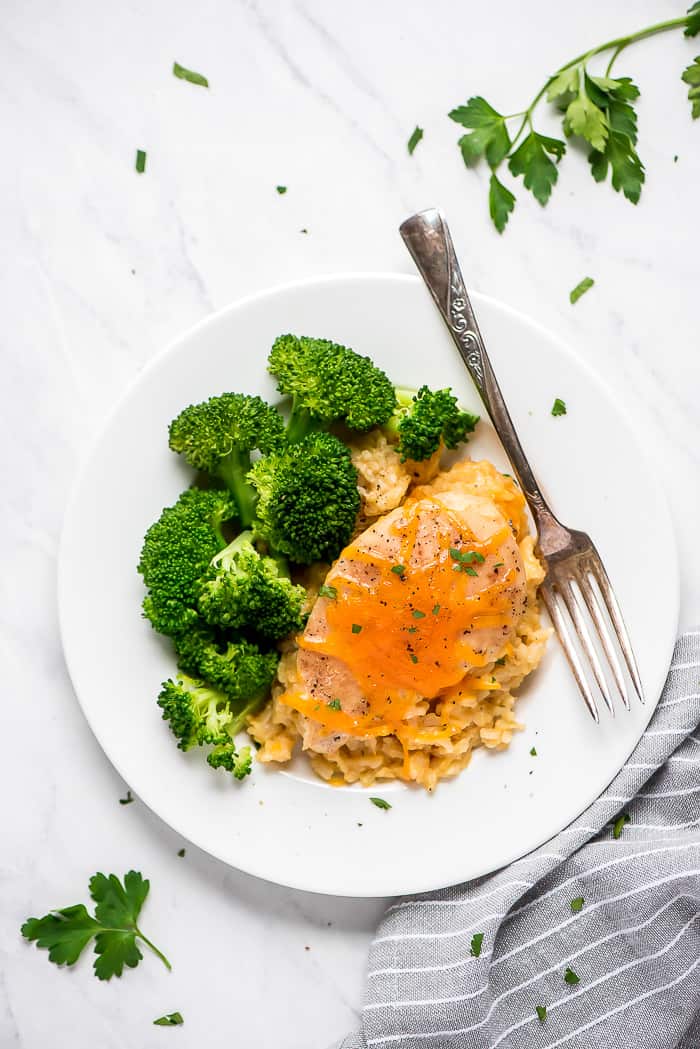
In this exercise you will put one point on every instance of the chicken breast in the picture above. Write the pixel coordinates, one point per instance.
(428, 593)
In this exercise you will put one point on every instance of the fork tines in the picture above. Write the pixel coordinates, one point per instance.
(582, 606)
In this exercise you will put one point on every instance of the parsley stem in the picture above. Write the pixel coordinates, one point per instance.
(155, 950)
(618, 51)
(618, 44)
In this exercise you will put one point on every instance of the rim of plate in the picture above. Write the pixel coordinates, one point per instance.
(211, 319)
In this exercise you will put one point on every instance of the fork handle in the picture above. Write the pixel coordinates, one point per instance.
(428, 239)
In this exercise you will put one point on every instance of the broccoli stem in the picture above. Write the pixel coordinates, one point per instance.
(301, 422)
(404, 402)
(232, 470)
(251, 707)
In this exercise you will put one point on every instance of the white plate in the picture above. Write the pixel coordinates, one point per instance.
(287, 826)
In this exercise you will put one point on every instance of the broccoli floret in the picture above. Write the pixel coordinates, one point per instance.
(238, 668)
(329, 383)
(308, 498)
(196, 712)
(425, 418)
(238, 762)
(177, 549)
(244, 589)
(199, 715)
(218, 435)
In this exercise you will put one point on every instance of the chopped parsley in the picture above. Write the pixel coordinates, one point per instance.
(465, 558)
(580, 289)
(533, 752)
(414, 657)
(577, 904)
(541, 1011)
(356, 628)
(140, 161)
(181, 852)
(501, 662)
(327, 591)
(334, 704)
(416, 136)
(187, 74)
(619, 823)
(499, 564)
(417, 614)
(380, 803)
(436, 609)
(477, 940)
(127, 800)
(559, 407)
(169, 1020)
(413, 630)
(571, 977)
(281, 189)
(398, 569)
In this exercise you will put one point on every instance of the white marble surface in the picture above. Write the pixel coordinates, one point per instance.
(102, 267)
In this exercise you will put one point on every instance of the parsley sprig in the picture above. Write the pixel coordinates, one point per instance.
(597, 110)
(66, 933)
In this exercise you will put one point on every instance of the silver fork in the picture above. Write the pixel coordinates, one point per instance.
(576, 582)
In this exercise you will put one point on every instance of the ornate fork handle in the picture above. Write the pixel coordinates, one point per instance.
(428, 239)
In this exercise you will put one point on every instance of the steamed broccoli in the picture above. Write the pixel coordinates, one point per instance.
(238, 762)
(199, 715)
(218, 435)
(238, 668)
(423, 419)
(329, 383)
(308, 498)
(177, 549)
(244, 589)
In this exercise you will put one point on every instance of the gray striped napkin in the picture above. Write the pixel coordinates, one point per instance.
(634, 944)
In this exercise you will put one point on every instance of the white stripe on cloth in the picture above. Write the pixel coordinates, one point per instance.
(460, 932)
(626, 1005)
(424, 1035)
(545, 972)
(467, 960)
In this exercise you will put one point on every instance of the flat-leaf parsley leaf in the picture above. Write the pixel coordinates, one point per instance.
(477, 940)
(580, 289)
(187, 74)
(596, 110)
(619, 824)
(691, 76)
(169, 1020)
(380, 803)
(559, 407)
(416, 136)
(67, 932)
(571, 977)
